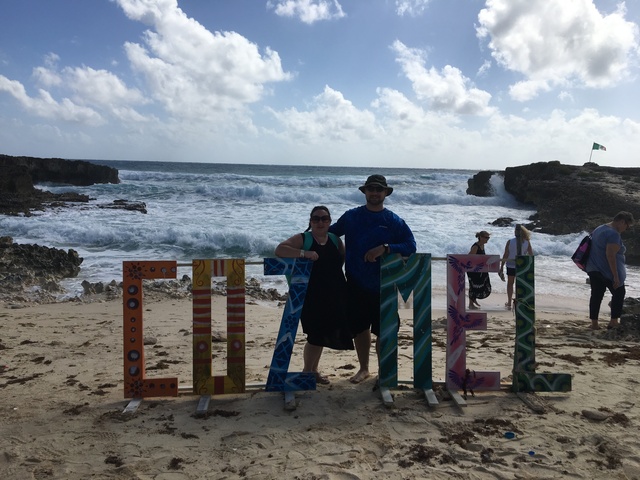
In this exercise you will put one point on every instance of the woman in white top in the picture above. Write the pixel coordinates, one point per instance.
(518, 245)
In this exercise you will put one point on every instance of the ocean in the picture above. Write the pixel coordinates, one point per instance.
(202, 210)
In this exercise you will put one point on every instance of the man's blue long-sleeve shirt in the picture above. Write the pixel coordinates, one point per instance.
(363, 230)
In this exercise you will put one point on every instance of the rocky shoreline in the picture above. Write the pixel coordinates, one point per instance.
(570, 198)
(18, 196)
(567, 199)
(32, 273)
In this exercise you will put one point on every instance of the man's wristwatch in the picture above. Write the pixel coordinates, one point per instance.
(386, 248)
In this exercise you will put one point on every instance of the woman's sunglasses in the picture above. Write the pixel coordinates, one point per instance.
(324, 218)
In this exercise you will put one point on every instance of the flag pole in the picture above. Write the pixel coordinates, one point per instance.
(596, 146)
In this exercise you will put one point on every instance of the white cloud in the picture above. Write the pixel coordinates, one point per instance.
(397, 110)
(410, 129)
(412, 8)
(528, 89)
(148, 12)
(446, 90)
(565, 96)
(97, 88)
(46, 77)
(197, 93)
(204, 82)
(484, 68)
(308, 11)
(47, 107)
(559, 43)
(100, 87)
(51, 59)
(331, 117)
(196, 74)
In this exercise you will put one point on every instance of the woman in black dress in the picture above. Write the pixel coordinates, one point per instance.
(479, 282)
(323, 317)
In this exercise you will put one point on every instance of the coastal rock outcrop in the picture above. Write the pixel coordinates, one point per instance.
(571, 198)
(24, 204)
(125, 205)
(32, 273)
(479, 185)
(18, 196)
(58, 170)
(23, 267)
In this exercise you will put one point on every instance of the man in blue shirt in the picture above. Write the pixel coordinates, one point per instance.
(370, 231)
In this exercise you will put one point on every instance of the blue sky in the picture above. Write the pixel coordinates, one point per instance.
(462, 84)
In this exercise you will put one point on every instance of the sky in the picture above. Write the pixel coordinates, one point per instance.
(456, 84)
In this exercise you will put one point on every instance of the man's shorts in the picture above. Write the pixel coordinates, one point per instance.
(363, 308)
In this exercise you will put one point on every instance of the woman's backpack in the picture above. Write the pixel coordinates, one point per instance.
(581, 255)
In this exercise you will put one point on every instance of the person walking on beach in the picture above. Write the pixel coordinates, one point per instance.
(370, 231)
(606, 269)
(479, 282)
(324, 314)
(519, 245)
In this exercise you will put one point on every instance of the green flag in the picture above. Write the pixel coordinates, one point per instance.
(597, 146)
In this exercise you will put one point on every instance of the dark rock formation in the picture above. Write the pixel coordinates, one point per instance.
(503, 222)
(12, 204)
(126, 205)
(23, 267)
(16, 180)
(480, 184)
(571, 199)
(37, 261)
(58, 170)
(18, 196)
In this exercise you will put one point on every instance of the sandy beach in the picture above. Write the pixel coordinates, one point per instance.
(62, 403)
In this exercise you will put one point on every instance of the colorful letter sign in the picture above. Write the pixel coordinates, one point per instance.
(280, 379)
(204, 383)
(398, 276)
(136, 385)
(525, 378)
(459, 321)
